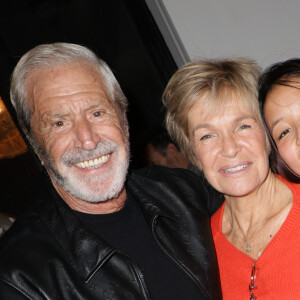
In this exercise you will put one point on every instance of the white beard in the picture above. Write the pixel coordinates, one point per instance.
(97, 188)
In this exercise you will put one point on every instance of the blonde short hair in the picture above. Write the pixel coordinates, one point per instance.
(209, 79)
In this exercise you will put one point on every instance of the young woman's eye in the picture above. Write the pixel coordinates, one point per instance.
(284, 133)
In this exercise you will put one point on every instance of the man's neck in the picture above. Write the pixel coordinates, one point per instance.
(105, 207)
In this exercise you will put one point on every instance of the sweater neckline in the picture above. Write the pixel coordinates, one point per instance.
(282, 234)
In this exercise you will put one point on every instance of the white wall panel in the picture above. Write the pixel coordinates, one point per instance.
(265, 30)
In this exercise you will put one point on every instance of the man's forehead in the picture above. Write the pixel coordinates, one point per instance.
(64, 80)
(78, 71)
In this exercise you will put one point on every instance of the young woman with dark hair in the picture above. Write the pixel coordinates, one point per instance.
(279, 98)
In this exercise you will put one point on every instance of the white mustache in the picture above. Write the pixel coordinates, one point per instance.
(77, 155)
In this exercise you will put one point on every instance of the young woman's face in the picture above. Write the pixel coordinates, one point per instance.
(282, 114)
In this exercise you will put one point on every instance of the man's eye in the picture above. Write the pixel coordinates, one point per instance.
(284, 133)
(59, 124)
(97, 113)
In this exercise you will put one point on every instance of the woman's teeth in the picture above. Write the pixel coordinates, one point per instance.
(238, 168)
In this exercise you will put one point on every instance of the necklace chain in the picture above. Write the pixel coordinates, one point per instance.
(246, 240)
(248, 247)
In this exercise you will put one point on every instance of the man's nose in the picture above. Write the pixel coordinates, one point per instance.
(85, 134)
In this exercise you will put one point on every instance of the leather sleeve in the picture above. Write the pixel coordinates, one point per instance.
(213, 199)
(8, 293)
(176, 204)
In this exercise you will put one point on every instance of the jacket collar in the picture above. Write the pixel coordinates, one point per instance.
(160, 201)
(73, 235)
(174, 205)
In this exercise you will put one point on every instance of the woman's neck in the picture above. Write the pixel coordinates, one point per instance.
(250, 209)
(249, 219)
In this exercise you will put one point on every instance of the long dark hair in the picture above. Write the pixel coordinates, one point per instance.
(282, 73)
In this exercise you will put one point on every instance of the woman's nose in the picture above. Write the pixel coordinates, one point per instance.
(230, 146)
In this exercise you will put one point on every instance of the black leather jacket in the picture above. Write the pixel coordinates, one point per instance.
(49, 253)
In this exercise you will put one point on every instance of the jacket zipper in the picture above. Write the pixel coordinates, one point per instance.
(139, 275)
(154, 219)
(135, 267)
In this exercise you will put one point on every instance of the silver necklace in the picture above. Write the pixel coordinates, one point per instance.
(248, 247)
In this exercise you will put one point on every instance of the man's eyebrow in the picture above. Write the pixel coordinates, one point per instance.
(50, 115)
(101, 102)
(95, 105)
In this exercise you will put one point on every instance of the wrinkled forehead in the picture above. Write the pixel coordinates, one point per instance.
(79, 71)
(63, 80)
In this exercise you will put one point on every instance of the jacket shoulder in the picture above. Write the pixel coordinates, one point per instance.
(162, 185)
(175, 203)
(184, 185)
(161, 174)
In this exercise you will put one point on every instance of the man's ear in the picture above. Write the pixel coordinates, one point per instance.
(125, 130)
(172, 149)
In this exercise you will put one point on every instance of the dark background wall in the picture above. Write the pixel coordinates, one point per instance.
(122, 32)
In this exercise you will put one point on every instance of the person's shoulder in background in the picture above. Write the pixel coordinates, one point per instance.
(5, 222)
(181, 179)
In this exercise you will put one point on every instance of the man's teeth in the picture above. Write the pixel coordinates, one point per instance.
(235, 169)
(93, 163)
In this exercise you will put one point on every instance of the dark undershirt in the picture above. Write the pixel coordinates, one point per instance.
(128, 231)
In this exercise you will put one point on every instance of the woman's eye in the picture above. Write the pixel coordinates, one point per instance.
(244, 126)
(284, 133)
(205, 137)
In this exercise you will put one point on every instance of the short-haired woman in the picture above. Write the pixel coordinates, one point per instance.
(213, 114)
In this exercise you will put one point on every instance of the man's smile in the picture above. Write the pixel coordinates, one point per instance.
(94, 163)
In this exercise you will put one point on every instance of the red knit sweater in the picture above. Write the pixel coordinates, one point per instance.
(278, 267)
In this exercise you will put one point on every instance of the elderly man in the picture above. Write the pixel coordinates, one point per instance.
(89, 235)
